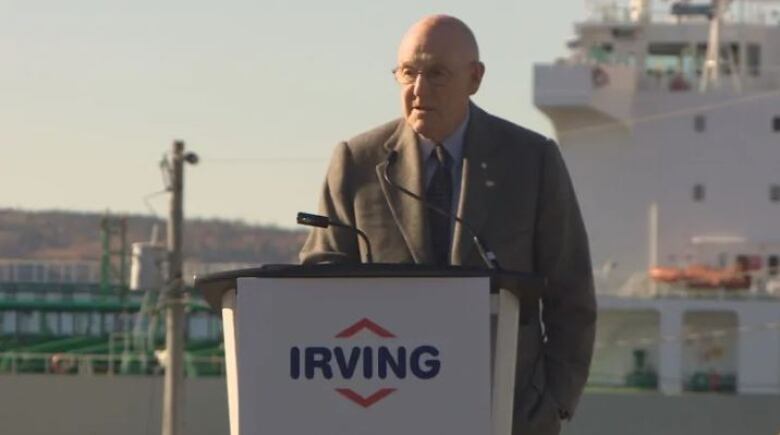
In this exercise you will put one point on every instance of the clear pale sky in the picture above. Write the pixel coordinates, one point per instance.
(93, 92)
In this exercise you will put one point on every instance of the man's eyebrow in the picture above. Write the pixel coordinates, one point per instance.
(420, 63)
(418, 58)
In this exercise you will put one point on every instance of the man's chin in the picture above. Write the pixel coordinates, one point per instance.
(423, 129)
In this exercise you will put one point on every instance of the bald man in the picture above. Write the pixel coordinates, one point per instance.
(509, 183)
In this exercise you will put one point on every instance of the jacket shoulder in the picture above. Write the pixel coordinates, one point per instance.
(361, 153)
(374, 139)
(519, 136)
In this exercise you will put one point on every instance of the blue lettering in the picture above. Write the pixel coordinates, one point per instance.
(318, 357)
(384, 358)
(423, 362)
(347, 368)
(432, 365)
(368, 362)
(295, 363)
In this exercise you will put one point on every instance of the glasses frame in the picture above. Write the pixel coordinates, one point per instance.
(426, 73)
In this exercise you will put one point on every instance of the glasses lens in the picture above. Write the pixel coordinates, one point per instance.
(435, 76)
(405, 75)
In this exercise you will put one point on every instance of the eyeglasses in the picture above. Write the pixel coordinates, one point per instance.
(436, 76)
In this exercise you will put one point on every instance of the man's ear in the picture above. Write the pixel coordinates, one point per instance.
(477, 72)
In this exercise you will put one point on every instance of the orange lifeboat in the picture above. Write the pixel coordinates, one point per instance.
(701, 276)
(704, 276)
(666, 274)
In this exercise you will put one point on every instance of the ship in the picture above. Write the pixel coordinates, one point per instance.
(668, 117)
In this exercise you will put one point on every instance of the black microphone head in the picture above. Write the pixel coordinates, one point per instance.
(392, 157)
(313, 220)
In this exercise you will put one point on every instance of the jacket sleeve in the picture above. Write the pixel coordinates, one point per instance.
(333, 244)
(568, 303)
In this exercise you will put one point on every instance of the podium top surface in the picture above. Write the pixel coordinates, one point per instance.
(214, 285)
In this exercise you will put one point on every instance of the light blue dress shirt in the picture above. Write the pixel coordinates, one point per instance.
(454, 145)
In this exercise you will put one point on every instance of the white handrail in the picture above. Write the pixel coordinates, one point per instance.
(84, 363)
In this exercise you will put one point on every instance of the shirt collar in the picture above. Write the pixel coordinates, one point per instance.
(452, 143)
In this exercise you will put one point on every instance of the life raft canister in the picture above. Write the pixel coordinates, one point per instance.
(62, 363)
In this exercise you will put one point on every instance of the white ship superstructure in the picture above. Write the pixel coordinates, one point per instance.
(668, 115)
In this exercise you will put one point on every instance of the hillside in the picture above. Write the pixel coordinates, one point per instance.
(76, 236)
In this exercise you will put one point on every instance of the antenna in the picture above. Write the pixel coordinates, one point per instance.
(711, 73)
(640, 11)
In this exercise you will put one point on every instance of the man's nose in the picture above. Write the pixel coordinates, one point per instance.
(420, 84)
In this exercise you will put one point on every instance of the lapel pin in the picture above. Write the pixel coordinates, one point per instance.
(484, 165)
(490, 183)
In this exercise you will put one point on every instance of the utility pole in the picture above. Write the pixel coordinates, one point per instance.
(174, 316)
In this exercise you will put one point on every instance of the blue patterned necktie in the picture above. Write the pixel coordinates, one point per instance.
(439, 194)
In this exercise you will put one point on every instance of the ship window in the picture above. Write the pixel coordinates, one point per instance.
(109, 323)
(96, 325)
(698, 192)
(66, 324)
(700, 123)
(776, 124)
(774, 193)
(709, 361)
(28, 322)
(81, 323)
(773, 264)
(24, 273)
(8, 322)
(600, 53)
(82, 273)
(723, 259)
(754, 59)
(50, 323)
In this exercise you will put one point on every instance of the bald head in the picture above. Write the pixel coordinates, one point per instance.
(439, 70)
(442, 30)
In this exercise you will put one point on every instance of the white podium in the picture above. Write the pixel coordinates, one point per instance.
(369, 349)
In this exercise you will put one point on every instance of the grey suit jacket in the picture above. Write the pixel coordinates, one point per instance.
(517, 195)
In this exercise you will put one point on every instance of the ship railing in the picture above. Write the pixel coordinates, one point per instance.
(678, 81)
(640, 285)
(670, 80)
(620, 74)
(63, 363)
(612, 13)
(28, 270)
(49, 271)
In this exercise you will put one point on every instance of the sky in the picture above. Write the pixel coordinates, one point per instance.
(94, 92)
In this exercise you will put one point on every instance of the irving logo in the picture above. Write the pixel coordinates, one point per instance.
(364, 362)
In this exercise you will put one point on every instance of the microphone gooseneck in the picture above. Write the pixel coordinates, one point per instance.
(315, 220)
(488, 257)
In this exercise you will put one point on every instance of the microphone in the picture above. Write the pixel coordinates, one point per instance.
(488, 257)
(315, 220)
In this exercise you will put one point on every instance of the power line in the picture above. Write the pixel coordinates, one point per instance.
(255, 160)
(148, 203)
(696, 109)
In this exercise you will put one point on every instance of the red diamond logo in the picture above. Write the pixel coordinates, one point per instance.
(351, 331)
(362, 324)
(365, 402)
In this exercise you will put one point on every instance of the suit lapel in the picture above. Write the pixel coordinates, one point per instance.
(481, 175)
(408, 213)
